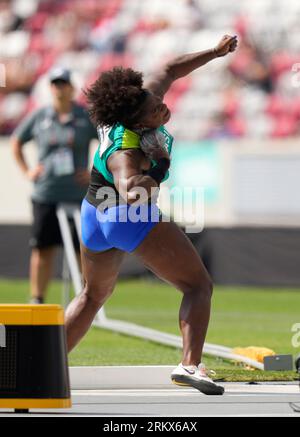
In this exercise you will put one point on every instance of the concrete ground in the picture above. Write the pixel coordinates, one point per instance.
(264, 399)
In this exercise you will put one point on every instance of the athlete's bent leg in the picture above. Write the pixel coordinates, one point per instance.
(168, 253)
(100, 272)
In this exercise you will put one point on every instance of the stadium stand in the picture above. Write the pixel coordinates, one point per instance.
(254, 93)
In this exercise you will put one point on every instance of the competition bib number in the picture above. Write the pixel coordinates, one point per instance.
(63, 162)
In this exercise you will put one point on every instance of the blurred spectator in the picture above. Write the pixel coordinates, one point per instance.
(37, 34)
(221, 127)
(105, 38)
(9, 20)
(250, 65)
(193, 18)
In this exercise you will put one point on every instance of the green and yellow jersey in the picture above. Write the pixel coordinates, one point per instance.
(112, 139)
(118, 137)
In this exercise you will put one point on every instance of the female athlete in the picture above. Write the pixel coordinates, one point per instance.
(123, 109)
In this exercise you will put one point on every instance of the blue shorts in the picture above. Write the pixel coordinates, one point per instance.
(123, 227)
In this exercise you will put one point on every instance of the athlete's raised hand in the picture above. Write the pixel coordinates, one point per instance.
(227, 45)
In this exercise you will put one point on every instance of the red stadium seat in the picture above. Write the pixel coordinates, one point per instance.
(236, 127)
(280, 63)
(276, 106)
(150, 35)
(285, 126)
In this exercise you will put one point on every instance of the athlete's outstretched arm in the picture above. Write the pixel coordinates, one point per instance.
(183, 65)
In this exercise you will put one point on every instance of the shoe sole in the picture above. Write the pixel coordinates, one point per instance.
(205, 387)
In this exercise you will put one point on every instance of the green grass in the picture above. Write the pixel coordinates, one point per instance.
(241, 317)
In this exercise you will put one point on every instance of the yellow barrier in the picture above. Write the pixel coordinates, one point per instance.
(33, 357)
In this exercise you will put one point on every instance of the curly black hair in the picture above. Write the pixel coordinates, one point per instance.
(116, 96)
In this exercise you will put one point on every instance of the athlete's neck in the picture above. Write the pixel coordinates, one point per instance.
(63, 107)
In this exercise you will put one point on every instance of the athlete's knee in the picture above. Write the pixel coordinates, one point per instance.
(96, 294)
(201, 287)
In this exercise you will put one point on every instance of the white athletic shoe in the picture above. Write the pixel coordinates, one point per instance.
(196, 377)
